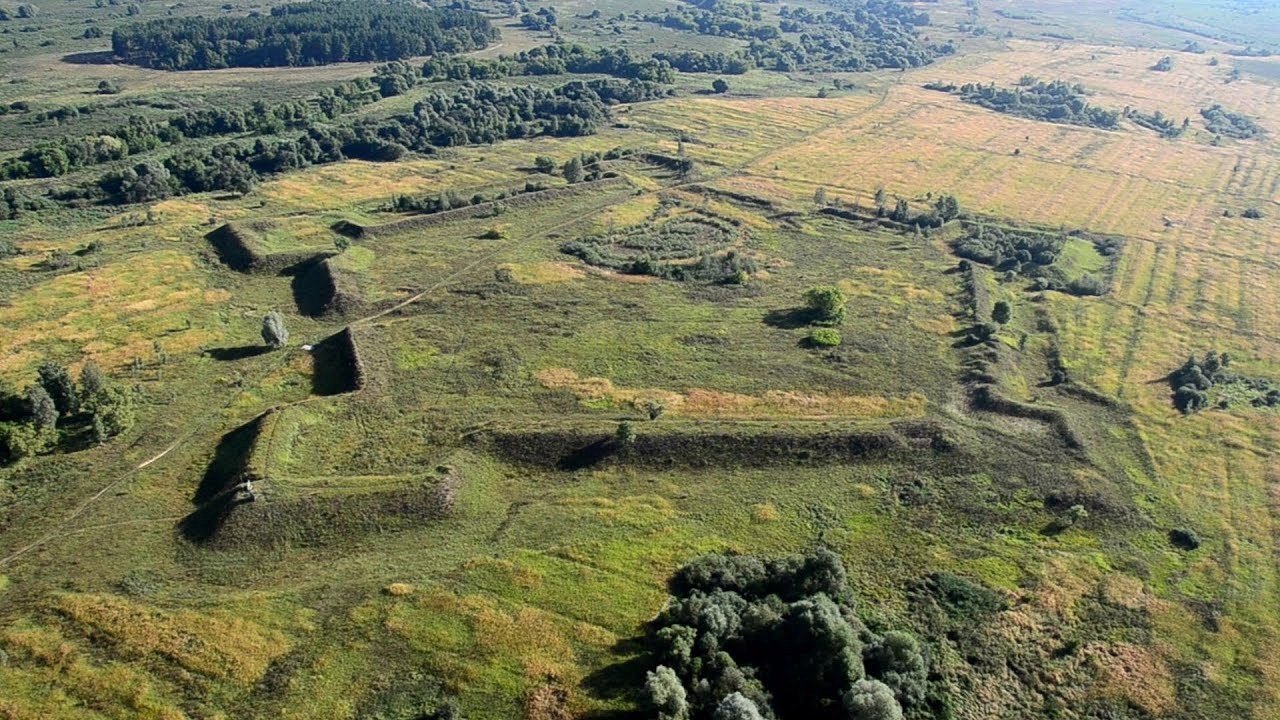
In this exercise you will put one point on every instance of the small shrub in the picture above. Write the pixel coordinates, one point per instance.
(825, 337)
(274, 333)
(399, 589)
(1252, 213)
(1184, 539)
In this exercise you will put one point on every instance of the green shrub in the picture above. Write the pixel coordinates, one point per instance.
(825, 337)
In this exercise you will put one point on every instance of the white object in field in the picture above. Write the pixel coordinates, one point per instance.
(307, 348)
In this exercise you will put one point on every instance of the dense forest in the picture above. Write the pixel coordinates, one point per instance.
(856, 36)
(468, 115)
(1056, 101)
(313, 33)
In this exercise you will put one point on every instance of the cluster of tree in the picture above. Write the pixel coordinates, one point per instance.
(749, 638)
(14, 204)
(1029, 254)
(1008, 250)
(16, 107)
(692, 61)
(1158, 122)
(556, 59)
(1221, 121)
(141, 134)
(467, 115)
(299, 34)
(1192, 382)
(35, 421)
(542, 21)
(945, 208)
(858, 35)
(1056, 101)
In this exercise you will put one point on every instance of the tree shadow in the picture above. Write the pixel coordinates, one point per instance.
(622, 680)
(585, 457)
(789, 319)
(238, 353)
(101, 57)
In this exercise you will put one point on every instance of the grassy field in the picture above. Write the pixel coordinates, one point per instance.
(441, 510)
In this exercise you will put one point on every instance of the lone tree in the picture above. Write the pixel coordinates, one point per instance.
(825, 304)
(720, 86)
(274, 332)
(1002, 312)
(573, 170)
(544, 165)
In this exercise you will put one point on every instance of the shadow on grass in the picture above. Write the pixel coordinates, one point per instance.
(238, 353)
(789, 319)
(622, 680)
(593, 454)
(103, 57)
(229, 460)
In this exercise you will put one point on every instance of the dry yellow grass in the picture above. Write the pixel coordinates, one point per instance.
(698, 402)
(220, 646)
(542, 273)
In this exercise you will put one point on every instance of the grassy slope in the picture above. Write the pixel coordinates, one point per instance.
(543, 575)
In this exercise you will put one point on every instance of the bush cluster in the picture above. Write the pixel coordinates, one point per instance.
(750, 637)
(1056, 101)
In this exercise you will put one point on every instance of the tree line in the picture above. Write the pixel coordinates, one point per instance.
(301, 34)
(1056, 101)
(470, 114)
(855, 35)
(556, 59)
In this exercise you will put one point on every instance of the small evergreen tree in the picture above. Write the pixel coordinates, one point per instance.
(719, 86)
(1002, 312)
(56, 381)
(41, 410)
(274, 333)
(544, 165)
(573, 170)
(826, 304)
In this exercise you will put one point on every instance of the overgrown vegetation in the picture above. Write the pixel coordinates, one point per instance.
(1057, 101)
(1220, 121)
(1030, 254)
(312, 33)
(1208, 382)
(748, 637)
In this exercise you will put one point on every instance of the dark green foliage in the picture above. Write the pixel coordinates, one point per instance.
(960, 598)
(556, 59)
(1184, 538)
(41, 410)
(826, 304)
(1028, 253)
(747, 636)
(1252, 213)
(1164, 64)
(299, 34)
(1057, 101)
(719, 86)
(106, 87)
(56, 381)
(572, 170)
(1002, 312)
(1197, 380)
(544, 165)
(1155, 121)
(855, 35)
(1221, 121)
(625, 434)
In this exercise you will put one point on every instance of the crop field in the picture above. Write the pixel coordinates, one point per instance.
(499, 425)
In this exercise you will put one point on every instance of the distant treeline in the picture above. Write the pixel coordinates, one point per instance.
(468, 115)
(1056, 101)
(555, 59)
(297, 34)
(857, 35)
